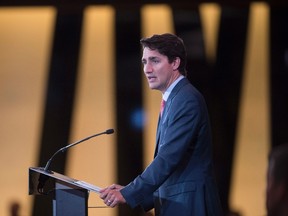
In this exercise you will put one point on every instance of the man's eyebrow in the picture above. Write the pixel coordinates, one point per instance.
(153, 57)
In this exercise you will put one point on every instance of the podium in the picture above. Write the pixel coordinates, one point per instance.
(70, 196)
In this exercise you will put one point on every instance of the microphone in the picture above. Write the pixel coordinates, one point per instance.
(63, 149)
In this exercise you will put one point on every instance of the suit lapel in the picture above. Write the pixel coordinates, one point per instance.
(157, 136)
(166, 111)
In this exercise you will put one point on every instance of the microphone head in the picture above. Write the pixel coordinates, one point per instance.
(109, 131)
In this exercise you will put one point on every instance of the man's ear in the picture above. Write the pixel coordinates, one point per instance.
(176, 63)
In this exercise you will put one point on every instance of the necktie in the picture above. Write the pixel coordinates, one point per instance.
(162, 106)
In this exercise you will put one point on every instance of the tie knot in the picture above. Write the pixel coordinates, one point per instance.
(162, 106)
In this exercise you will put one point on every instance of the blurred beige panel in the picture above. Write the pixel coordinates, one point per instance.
(156, 19)
(25, 41)
(94, 161)
(210, 16)
(249, 174)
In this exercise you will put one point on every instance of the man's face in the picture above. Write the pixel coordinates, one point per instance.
(269, 192)
(159, 72)
(273, 193)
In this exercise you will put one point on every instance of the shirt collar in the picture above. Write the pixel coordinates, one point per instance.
(170, 88)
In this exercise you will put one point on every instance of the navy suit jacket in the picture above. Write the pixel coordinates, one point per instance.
(179, 181)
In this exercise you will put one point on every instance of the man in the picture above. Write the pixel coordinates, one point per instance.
(179, 181)
(277, 182)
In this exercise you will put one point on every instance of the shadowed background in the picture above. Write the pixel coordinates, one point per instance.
(68, 71)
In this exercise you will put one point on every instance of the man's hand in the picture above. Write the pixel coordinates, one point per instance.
(112, 196)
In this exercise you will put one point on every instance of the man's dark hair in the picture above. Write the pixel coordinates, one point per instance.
(279, 158)
(169, 45)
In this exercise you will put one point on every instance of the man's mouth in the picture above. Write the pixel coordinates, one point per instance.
(151, 78)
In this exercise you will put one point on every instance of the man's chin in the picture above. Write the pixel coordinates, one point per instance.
(153, 87)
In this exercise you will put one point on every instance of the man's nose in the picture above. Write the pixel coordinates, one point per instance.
(147, 68)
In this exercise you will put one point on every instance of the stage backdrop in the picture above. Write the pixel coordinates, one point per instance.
(26, 36)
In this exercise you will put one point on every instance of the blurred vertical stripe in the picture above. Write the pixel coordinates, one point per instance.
(25, 43)
(253, 137)
(94, 112)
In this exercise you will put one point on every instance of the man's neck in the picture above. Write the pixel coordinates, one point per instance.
(170, 88)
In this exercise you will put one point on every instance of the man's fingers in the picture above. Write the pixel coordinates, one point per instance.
(104, 193)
